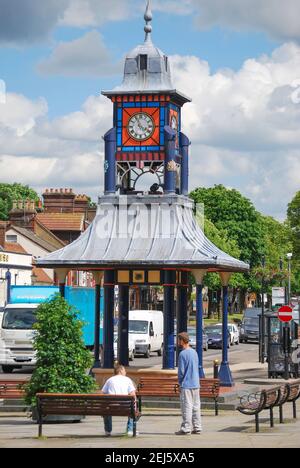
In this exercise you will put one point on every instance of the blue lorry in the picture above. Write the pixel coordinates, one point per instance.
(18, 317)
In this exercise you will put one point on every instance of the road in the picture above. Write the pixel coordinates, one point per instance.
(237, 355)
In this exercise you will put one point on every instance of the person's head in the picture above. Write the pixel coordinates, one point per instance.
(120, 370)
(183, 340)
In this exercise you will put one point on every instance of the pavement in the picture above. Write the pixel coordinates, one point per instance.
(156, 430)
(156, 427)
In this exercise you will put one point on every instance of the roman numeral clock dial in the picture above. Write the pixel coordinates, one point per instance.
(141, 126)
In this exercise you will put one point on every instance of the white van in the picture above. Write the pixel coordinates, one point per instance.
(16, 336)
(147, 329)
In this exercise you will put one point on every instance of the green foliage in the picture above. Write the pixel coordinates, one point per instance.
(62, 359)
(229, 211)
(12, 192)
(293, 216)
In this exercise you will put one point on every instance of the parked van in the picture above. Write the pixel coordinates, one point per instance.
(16, 335)
(146, 327)
(250, 325)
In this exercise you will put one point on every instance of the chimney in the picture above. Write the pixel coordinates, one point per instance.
(2, 234)
(23, 214)
(59, 200)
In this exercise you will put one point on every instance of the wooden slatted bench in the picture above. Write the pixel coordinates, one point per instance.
(168, 387)
(59, 404)
(254, 403)
(294, 396)
(12, 389)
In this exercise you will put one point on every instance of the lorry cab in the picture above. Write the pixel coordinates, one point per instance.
(16, 336)
(146, 328)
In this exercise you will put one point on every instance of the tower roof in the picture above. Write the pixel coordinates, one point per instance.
(147, 68)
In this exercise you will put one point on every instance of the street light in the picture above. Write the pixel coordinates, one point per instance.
(262, 338)
(289, 257)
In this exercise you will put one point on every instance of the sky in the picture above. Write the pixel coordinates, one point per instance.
(239, 61)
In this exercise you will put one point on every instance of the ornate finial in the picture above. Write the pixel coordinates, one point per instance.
(148, 18)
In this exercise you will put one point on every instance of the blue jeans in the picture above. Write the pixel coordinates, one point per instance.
(108, 424)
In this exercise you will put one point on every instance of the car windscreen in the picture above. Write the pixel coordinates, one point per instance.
(138, 327)
(252, 322)
(19, 319)
(213, 331)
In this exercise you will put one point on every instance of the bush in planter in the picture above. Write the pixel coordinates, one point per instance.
(62, 359)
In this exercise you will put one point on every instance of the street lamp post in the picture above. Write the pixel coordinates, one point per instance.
(289, 257)
(262, 357)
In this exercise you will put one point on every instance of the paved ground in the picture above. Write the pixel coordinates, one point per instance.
(156, 431)
(230, 429)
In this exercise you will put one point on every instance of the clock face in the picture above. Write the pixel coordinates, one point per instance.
(141, 126)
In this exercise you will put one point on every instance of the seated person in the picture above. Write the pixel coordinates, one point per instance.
(118, 385)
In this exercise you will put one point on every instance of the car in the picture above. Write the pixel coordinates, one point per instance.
(234, 334)
(193, 338)
(215, 336)
(131, 347)
(249, 330)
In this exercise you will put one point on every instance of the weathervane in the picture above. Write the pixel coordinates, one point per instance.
(148, 18)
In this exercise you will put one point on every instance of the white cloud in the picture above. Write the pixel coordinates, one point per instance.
(279, 19)
(244, 125)
(244, 128)
(86, 56)
(82, 13)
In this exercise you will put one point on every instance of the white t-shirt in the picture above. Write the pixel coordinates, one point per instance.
(118, 385)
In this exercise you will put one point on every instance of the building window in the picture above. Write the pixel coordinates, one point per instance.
(12, 239)
(143, 62)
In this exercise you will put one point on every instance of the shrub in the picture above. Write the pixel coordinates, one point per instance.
(62, 359)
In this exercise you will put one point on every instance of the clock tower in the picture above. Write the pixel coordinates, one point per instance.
(146, 137)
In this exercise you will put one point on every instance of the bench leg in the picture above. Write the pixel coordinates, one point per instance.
(217, 407)
(257, 423)
(281, 414)
(140, 405)
(294, 410)
(271, 417)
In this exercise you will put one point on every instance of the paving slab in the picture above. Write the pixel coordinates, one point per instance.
(156, 430)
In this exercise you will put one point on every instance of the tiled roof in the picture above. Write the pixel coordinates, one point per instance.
(62, 221)
(12, 247)
(41, 276)
(34, 238)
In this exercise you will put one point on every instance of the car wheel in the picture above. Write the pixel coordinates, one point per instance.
(7, 369)
(160, 352)
(147, 354)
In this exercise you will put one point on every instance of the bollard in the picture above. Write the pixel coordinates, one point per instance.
(216, 369)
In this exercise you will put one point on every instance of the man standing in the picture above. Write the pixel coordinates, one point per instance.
(189, 382)
(118, 385)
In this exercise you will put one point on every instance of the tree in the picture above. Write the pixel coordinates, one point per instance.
(293, 217)
(13, 192)
(62, 359)
(230, 211)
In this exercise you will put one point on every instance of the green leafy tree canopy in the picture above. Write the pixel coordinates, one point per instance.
(12, 192)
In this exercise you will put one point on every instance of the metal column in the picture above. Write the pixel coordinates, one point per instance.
(182, 307)
(110, 140)
(225, 375)
(108, 323)
(199, 328)
(8, 286)
(184, 151)
(97, 363)
(123, 356)
(170, 161)
(169, 315)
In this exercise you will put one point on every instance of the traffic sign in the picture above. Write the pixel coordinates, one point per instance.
(285, 314)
